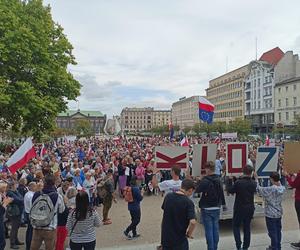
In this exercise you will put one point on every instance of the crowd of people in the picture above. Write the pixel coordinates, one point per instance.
(56, 194)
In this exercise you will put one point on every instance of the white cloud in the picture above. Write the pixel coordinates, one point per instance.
(172, 46)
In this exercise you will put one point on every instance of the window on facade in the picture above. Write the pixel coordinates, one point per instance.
(258, 93)
(286, 102)
(254, 83)
(295, 114)
(286, 88)
(254, 94)
(254, 105)
(295, 101)
(295, 87)
(279, 90)
(266, 79)
(279, 103)
(279, 116)
(258, 105)
(258, 82)
(287, 116)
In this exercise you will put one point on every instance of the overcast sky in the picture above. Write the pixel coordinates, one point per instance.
(152, 52)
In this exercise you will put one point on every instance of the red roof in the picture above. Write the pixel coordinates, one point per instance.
(272, 56)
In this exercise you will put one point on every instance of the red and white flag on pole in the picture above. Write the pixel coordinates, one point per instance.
(43, 151)
(25, 153)
(184, 142)
(90, 150)
(267, 142)
(217, 140)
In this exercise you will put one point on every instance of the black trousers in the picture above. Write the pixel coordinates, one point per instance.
(29, 232)
(135, 220)
(2, 234)
(85, 246)
(242, 217)
(297, 207)
(15, 225)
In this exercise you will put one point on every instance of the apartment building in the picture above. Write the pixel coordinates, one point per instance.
(160, 118)
(226, 92)
(143, 119)
(185, 112)
(259, 91)
(287, 90)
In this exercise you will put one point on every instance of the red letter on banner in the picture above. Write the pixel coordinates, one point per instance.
(235, 163)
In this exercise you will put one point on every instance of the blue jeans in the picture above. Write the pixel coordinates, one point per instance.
(274, 231)
(210, 220)
(135, 220)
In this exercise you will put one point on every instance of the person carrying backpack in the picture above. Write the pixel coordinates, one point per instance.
(244, 189)
(44, 221)
(134, 208)
(212, 199)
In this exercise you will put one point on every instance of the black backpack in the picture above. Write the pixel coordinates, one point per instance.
(213, 193)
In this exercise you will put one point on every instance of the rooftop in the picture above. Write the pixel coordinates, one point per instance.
(84, 112)
(272, 56)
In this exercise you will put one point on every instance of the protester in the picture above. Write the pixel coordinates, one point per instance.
(45, 224)
(32, 186)
(244, 189)
(81, 224)
(14, 213)
(294, 182)
(179, 220)
(273, 197)
(109, 197)
(4, 202)
(168, 186)
(61, 232)
(139, 173)
(211, 200)
(134, 209)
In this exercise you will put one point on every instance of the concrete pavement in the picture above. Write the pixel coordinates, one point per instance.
(258, 242)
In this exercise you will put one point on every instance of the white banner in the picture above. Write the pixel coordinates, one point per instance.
(236, 157)
(167, 156)
(229, 135)
(202, 153)
(266, 161)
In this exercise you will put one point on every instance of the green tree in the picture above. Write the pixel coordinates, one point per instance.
(241, 126)
(83, 128)
(186, 130)
(35, 83)
(196, 128)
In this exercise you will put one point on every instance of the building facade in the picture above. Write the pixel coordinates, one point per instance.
(287, 90)
(227, 94)
(143, 119)
(67, 119)
(185, 112)
(259, 91)
(136, 119)
(160, 118)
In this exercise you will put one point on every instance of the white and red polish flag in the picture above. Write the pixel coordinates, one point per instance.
(184, 142)
(24, 153)
(43, 151)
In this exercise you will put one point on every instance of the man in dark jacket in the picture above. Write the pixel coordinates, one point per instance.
(244, 189)
(212, 199)
(14, 214)
(134, 209)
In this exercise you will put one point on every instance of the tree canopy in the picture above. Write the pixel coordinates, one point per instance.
(35, 83)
